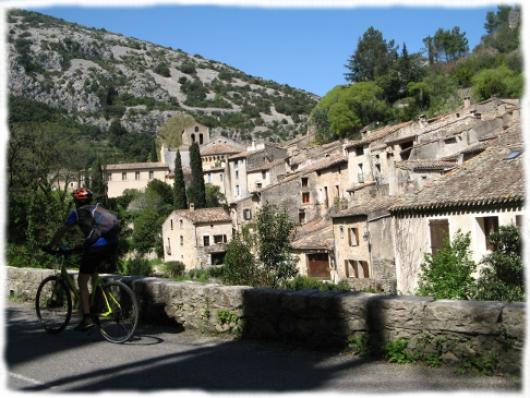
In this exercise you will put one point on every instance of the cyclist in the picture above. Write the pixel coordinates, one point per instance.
(96, 249)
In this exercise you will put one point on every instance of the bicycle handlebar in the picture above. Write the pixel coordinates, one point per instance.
(61, 251)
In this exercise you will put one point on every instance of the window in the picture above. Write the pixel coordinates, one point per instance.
(151, 175)
(247, 214)
(360, 175)
(181, 240)
(237, 190)
(171, 221)
(136, 175)
(219, 239)
(237, 174)
(439, 234)
(359, 151)
(221, 177)
(193, 138)
(209, 177)
(196, 129)
(201, 139)
(304, 181)
(258, 185)
(168, 247)
(341, 231)
(263, 175)
(180, 221)
(405, 149)
(124, 176)
(305, 197)
(519, 222)
(353, 236)
(378, 168)
(488, 225)
(206, 240)
(356, 269)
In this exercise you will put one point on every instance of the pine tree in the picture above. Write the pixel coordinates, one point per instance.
(197, 188)
(179, 188)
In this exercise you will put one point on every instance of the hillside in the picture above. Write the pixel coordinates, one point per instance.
(99, 77)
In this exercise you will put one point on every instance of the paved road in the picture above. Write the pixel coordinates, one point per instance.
(163, 358)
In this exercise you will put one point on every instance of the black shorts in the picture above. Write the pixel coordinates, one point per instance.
(98, 260)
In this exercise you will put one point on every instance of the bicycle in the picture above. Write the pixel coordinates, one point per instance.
(113, 305)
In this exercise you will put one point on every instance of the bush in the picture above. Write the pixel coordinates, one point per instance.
(174, 269)
(500, 81)
(135, 266)
(395, 351)
(163, 70)
(240, 266)
(447, 274)
(304, 282)
(188, 68)
(503, 277)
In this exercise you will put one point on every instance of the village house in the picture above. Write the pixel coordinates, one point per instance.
(477, 197)
(124, 176)
(364, 245)
(312, 245)
(214, 157)
(196, 237)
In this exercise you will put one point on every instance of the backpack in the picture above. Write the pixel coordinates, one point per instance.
(95, 221)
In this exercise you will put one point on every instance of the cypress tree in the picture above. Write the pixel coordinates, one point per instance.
(197, 188)
(98, 185)
(179, 188)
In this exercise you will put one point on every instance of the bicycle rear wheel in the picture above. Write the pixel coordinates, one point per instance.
(53, 304)
(119, 317)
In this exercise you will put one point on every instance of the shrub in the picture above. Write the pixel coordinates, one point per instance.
(303, 282)
(447, 274)
(163, 70)
(135, 266)
(240, 266)
(174, 268)
(395, 351)
(188, 68)
(500, 81)
(503, 276)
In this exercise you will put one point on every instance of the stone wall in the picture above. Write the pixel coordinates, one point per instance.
(438, 331)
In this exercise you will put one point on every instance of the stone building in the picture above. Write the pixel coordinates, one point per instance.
(197, 237)
(214, 157)
(364, 245)
(477, 197)
(124, 176)
(312, 245)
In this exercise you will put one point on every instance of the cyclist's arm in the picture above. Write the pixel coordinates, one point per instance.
(59, 235)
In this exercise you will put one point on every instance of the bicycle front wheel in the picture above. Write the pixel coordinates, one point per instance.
(119, 313)
(53, 304)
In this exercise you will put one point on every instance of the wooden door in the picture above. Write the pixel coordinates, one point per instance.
(318, 265)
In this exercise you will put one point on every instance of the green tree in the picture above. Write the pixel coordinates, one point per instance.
(98, 183)
(170, 132)
(502, 278)
(214, 197)
(372, 58)
(240, 267)
(147, 233)
(197, 189)
(450, 44)
(273, 229)
(500, 81)
(179, 186)
(447, 274)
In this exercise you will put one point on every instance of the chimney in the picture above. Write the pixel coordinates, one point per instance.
(467, 102)
(192, 206)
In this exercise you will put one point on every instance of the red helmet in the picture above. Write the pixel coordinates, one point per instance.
(82, 194)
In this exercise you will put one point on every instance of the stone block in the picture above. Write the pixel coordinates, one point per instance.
(473, 317)
(513, 320)
(398, 312)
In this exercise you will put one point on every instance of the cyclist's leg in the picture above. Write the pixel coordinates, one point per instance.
(89, 262)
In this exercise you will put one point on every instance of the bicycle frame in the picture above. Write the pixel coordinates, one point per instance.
(96, 282)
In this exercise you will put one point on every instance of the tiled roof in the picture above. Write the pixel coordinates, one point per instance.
(213, 214)
(489, 178)
(377, 205)
(325, 163)
(133, 166)
(378, 134)
(245, 154)
(266, 166)
(426, 164)
(314, 235)
(220, 149)
(478, 147)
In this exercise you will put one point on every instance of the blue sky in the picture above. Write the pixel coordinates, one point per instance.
(305, 48)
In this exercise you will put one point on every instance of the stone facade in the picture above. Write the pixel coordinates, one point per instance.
(133, 176)
(449, 331)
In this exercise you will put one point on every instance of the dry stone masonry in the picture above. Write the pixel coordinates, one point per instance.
(443, 331)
